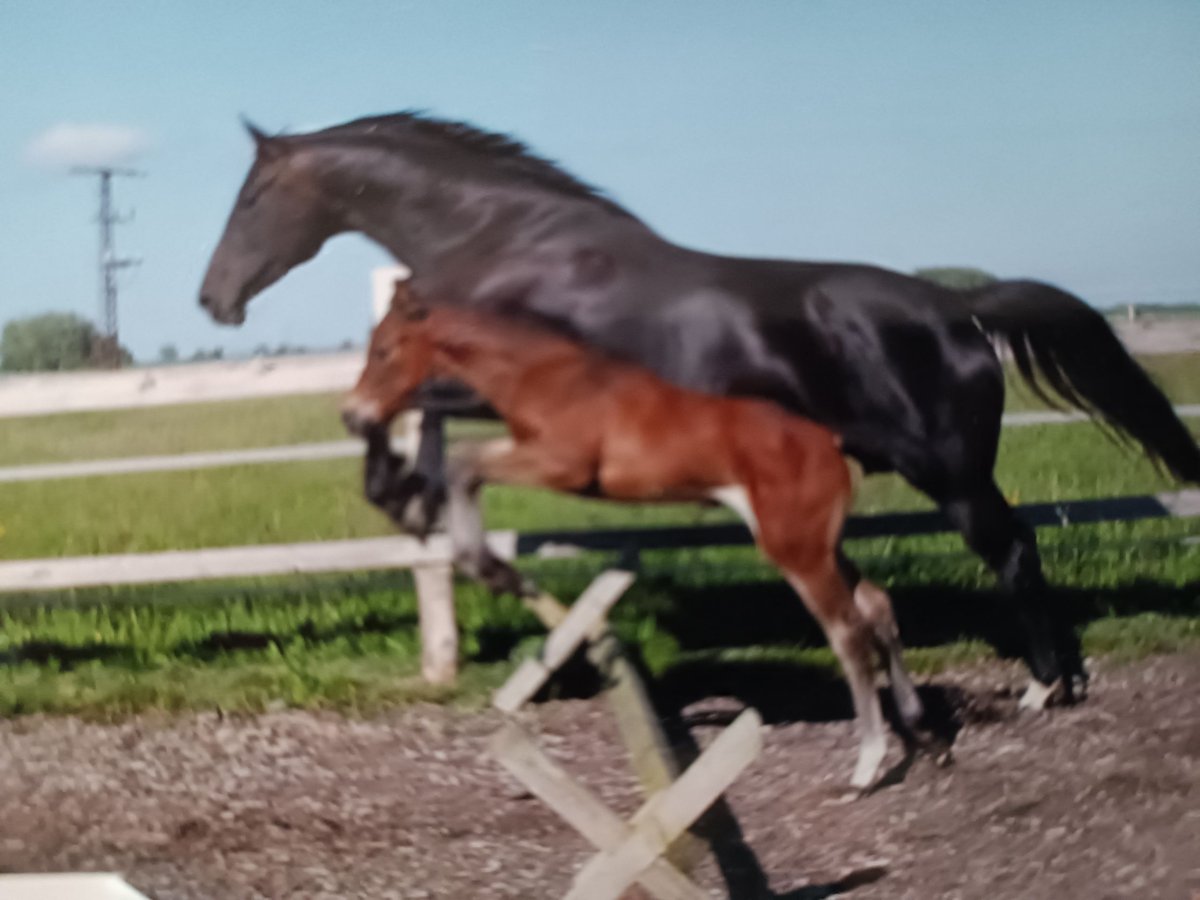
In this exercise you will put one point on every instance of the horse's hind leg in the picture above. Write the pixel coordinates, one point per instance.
(830, 600)
(993, 530)
(876, 607)
(813, 572)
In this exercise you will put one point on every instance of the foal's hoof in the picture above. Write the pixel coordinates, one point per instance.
(501, 578)
(866, 773)
(417, 506)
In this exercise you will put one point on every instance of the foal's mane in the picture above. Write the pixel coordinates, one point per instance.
(498, 150)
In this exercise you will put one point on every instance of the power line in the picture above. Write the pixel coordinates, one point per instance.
(109, 355)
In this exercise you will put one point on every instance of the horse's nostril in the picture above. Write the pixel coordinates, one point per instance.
(206, 301)
(354, 420)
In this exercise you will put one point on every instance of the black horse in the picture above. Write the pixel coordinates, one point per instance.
(902, 368)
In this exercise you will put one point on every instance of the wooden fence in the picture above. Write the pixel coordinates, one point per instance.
(430, 560)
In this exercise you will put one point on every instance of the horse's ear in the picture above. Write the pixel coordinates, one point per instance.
(406, 303)
(266, 146)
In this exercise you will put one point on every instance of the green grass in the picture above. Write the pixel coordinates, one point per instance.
(1176, 373)
(266, 422)
(186, 428)
(321, 500)
(194, 427)
(350, 643)
(695, 617)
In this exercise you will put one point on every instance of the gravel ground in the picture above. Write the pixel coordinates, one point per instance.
(1095, 801)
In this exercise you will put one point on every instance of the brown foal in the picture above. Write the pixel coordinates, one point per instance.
(588, 424)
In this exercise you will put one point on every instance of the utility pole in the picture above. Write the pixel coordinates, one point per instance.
(109, 353)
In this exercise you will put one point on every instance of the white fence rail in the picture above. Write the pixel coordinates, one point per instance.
(57, 573)
(62, 392)
(344, 449)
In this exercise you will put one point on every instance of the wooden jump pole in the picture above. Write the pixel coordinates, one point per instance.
(650, 753)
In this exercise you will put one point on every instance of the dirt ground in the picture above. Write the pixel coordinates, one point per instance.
(1096, 801)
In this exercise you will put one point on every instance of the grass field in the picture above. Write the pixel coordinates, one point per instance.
(274, 421)
(351, 643)
(321, 500)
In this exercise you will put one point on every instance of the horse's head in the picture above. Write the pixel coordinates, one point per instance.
(398, 361)
(279, 220)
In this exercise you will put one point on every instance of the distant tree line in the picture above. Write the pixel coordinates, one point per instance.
(57, 342)
(958, 278)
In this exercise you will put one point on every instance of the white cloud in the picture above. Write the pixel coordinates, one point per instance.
(81, 144)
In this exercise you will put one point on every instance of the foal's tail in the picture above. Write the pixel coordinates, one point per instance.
(1060, 342)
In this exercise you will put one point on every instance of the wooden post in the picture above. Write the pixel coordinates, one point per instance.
(633, 851)
(584, 619)
(650, 753)
(438, 623)
(434, 583)
(583, 810)
(668, 813)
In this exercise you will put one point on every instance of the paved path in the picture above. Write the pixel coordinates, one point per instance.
(340, 450)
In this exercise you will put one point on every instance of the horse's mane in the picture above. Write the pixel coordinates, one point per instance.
(500, 150)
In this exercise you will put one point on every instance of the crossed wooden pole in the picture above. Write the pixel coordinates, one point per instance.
(637, 850)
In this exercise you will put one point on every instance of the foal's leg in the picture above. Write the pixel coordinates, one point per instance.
(472, 556)
(428, 478)
(876, 607)
(388, 486)
(807, 554)
(498, 462)
(831, 602)
(382, 468)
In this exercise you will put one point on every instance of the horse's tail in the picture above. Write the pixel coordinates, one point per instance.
(1060, 342)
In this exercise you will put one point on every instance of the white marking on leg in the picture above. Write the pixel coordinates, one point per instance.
(734, 497)
(870, 756)
(408, 442)
(1037, 695)
(876, 606)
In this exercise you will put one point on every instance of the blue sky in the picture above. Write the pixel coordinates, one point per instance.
(1058, 140)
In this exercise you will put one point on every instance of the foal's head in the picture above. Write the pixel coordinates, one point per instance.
(398, 361)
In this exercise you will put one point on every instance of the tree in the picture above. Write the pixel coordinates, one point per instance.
(56, 342)
(168, 353)
(958, 278)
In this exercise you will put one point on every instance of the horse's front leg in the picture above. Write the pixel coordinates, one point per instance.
(429, 476)
(499, 461)
(412, 500)
(468, 538)
(382, 469)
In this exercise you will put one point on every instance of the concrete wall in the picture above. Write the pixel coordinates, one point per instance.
(55, 392)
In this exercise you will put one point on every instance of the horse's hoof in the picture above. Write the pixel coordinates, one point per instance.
(1037, 696)
(866, 777)
(501, 578)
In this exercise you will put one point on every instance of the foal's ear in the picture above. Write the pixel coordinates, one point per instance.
(406, 303)
(266, 146)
